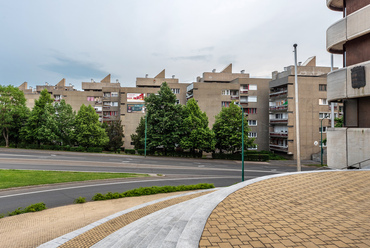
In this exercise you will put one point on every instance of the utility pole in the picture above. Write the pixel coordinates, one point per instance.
(297, 110)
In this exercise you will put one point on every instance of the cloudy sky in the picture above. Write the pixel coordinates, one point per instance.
(45, 41)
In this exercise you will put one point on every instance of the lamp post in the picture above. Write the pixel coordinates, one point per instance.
(322, 150)
(242, 139)
(144, 110)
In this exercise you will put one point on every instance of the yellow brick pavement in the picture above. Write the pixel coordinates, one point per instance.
(326, 209)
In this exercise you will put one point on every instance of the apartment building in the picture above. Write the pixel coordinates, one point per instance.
(350, 36)
(218, 89)
(313, 109)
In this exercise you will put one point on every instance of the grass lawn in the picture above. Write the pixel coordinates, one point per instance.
(19, 178)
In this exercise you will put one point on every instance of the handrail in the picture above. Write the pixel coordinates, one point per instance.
(352, 166)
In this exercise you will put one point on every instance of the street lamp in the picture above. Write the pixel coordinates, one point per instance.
(242, 139)
(322, 150)
(144, 110)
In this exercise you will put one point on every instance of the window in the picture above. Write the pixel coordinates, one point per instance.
(253, 87)
(114, 94)
(324, 115)
(253, 147)
(177, 101)
(115, 104)
(175, 91)
(322, 87)
(252, 99)
(250, 110)
(244, 89)
(90, 98)
(225, 92)
(252, 123)
(252, 135)
(324, 129)
(323, 101)
(107, 94)
(225, 104)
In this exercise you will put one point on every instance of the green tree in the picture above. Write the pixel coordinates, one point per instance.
(13, 112)
(228, 129)
(115, 134)
(339, 122)
(37, 123)
(138, 138)
(198, 135)
(88, 130)
(65, 120)
(164, 120)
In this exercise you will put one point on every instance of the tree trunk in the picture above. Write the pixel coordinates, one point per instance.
(6, 136)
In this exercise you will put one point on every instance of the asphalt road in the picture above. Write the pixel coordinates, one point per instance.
(174, 171)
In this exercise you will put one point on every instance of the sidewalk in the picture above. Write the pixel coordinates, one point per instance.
(309, 209)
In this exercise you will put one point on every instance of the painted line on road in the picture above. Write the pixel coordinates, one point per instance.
(105, 184)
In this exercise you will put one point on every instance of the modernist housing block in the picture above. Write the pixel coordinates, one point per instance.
(313, 107)
(350, 37)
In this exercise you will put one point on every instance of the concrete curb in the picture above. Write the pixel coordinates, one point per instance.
(65, 238)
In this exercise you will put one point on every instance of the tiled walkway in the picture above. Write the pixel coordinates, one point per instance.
(329, 209)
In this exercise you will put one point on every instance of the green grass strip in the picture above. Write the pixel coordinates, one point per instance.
(20, 178)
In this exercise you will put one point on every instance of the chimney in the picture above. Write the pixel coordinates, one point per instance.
(117, 81)
(146, 75)
(242, 71)
(173, 76)
(214, 70)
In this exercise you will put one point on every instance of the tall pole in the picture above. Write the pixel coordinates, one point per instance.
(332, 104)
(242, 143)
(321, 140)
(297, 110)
(145, 131)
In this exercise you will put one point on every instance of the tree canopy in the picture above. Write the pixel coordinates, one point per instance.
(197, 133)
(115, 134)
(164, 120)
(138, 138)
(88, 130)
(228, 129)
(13, 112)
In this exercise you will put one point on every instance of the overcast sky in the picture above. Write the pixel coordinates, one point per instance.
(47, 40)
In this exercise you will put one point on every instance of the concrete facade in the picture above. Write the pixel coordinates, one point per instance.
(313, 107)
(350, 37)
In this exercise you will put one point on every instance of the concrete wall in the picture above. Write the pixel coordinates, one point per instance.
(348, 146)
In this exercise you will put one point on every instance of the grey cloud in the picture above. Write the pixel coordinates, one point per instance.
(195, 57)
(74, 69)
(206, 49)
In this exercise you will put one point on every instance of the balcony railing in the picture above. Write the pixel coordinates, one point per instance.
(279, 134)
(244, 91)
(234, 97)
(278, 108)
(279, 93)
(279, 148)
(279, 121)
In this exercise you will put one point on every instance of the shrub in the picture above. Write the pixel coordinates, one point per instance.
(2, 216)
(95, 149)
(98, 197)
(150, 191)
(78, 149)
(31, 208)
(141, 151)
(80, 200)
(130, 151)
(257, 157)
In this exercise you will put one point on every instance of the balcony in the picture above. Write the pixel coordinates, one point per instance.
(336, 5)
(279, 121)
(234, 97)
(279, 94)
(279, 108)
(279, 135)
(244, 91)
(278, 148)
(340, 84)
(351, 27)
(336, 36)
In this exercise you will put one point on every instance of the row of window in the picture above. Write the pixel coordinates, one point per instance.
(243, 89)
